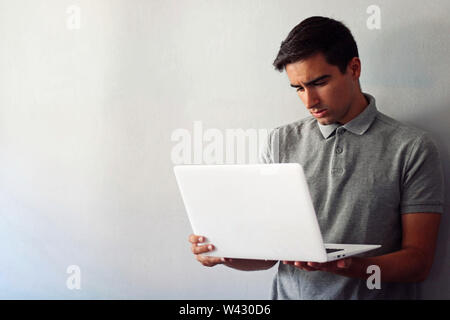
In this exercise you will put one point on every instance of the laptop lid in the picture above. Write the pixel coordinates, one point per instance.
(257, 211)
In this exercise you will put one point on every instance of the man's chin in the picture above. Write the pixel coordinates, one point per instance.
(326, 122)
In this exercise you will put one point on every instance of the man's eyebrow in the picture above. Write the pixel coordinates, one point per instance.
(312, 81)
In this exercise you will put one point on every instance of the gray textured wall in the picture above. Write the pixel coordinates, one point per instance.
(91, 93)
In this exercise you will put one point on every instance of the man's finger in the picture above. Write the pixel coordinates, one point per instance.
(304, 266)
(344, 263)
(202, 249)
(193, 238)
(319, 265)
(209, 261)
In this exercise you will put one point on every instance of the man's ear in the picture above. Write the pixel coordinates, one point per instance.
(354, 66)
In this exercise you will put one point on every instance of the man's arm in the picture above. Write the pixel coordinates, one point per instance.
(410, 264)
(249, 264)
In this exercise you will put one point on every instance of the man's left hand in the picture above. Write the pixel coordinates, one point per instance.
(332, 266)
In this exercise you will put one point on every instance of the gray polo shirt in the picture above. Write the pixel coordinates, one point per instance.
(362, 176)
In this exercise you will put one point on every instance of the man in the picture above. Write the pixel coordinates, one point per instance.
(372, 179)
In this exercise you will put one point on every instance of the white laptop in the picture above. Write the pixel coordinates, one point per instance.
(257, 211)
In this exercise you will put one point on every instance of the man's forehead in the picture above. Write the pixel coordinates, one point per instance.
(309, 69)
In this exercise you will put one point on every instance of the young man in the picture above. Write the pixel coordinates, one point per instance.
(372, 179)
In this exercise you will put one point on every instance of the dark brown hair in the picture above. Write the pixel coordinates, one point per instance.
(318, 35)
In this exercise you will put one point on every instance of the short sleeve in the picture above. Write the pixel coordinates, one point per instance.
(269, 150)
(423, 183)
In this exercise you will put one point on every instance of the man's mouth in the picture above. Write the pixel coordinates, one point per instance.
(320, 113)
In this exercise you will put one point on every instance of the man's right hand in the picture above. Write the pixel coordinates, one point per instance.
(198, 249)
(239, 264)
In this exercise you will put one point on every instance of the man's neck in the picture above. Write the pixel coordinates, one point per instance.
(358, 106)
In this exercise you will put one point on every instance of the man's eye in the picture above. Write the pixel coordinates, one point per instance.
(299, 89)
(320, 83)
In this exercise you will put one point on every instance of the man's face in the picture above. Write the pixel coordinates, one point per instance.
(328, 94)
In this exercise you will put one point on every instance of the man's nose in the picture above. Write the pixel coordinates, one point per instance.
(310, 98)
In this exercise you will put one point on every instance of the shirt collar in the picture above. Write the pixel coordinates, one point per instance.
(357, 125)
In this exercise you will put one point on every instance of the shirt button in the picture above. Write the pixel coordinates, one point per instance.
(339, 150)
(340, 131)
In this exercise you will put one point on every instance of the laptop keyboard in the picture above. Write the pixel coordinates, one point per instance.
(329, 250)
